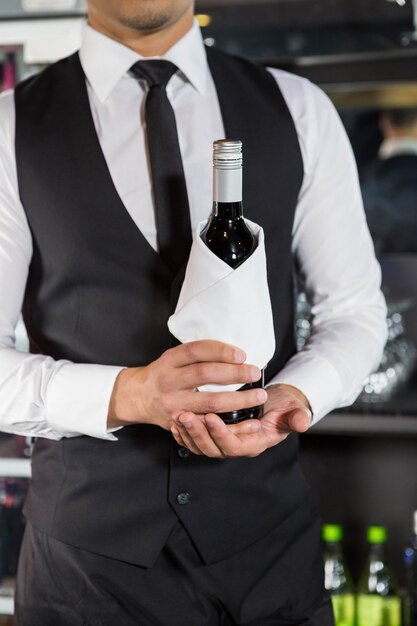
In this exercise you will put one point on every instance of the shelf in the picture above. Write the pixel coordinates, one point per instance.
(19, 468)
(17, 9)
(366, 424)
(6, 606)
(346, 76)
(395, 416)
(43, 41)
(7, 586)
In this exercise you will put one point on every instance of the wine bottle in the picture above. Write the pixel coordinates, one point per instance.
(337, 578)
(226, 233)
(9, 72)
(378, 603)
(410, 562)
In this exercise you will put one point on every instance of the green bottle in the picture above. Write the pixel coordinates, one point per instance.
(377, 602)
(336, 576)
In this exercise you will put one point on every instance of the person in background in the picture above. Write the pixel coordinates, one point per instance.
(390, 189)
(145, 508)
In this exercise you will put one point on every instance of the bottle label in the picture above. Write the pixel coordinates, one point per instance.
(375, 610)
(392, 611)
(344, 609)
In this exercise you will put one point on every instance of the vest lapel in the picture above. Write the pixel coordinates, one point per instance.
(92, 152)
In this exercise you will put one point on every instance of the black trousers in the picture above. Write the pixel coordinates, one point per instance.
(278, 581)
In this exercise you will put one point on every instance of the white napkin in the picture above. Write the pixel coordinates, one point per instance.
(226, 304)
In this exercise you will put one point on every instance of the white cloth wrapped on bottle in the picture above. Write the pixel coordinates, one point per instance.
(226, 304)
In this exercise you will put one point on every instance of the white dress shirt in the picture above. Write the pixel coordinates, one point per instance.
(331, 244)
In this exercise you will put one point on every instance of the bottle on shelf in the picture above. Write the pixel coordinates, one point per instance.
(337, 578)
(378, 603)
(226, 233)
(9, 72)
(410, 563)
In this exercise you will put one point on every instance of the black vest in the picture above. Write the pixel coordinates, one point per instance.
(98, 293)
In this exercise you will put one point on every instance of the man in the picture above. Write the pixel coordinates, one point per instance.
(145, 508)
(389, 191)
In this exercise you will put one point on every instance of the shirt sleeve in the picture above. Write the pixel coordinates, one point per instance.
(39, 396)
(335, 257)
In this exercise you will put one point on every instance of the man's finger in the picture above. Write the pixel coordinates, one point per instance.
(245, 427)
(228, 442)
(197, 433)
(187, 441)
(203, 373)
(177, 435)
(223, 401)
(298, 420)
(202, 351)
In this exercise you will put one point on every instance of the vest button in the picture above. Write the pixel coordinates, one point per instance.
(183, 453)
(183, 498)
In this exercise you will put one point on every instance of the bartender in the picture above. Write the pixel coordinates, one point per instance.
(145, 508)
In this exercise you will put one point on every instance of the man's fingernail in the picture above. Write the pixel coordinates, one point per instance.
(254, 427)
(185, 422)
(261, 395)
(255, 372)
(239, 356)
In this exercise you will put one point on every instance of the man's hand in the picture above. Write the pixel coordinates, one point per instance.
(286, 410)
(154, 394)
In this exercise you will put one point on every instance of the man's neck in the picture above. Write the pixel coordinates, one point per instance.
(154, 43)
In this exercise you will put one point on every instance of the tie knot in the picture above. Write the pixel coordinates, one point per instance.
(154, 71)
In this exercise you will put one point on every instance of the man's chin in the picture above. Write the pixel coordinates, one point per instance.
(148, 21)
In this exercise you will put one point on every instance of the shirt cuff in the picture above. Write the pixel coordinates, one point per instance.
(317, 379)
(77, 400)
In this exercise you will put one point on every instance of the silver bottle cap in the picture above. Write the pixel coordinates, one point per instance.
(227, 154)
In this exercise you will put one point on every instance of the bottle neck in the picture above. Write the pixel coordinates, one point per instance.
(227, 185)
(228, 210)
(333, 549)
(377, 552)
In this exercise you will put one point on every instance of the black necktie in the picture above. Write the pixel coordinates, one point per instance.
(169, 188)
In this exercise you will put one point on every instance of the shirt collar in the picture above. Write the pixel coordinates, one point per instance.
(394, 147)
(105, 61)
